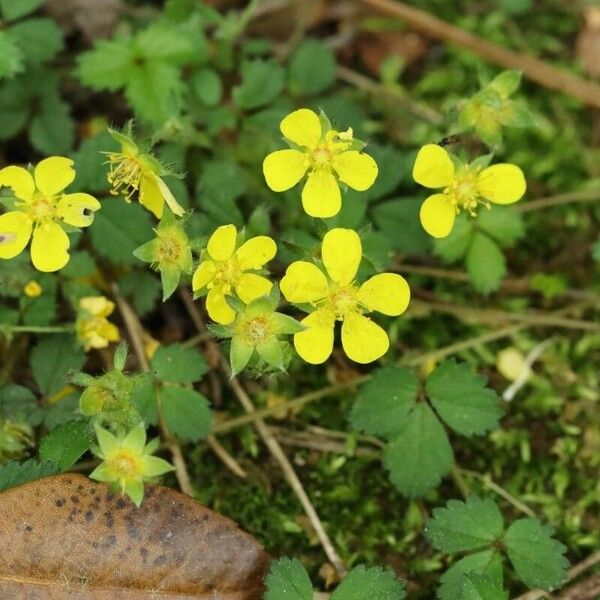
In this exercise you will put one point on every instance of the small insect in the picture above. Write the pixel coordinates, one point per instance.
(448, 141)
(7, 237)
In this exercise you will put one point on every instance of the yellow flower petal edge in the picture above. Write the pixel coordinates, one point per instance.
(502, 183)
(302, 127)
(256, 252)
(52, 175)
(217, 307)
(321, 195)
(433, 167)
(49, 247)
(251, 286)
(438, 215)
(315, 344)
(342, 253)
(15, 231)
(221, 244)
(387, 293)
(363, 340)
(19, 180)
(355, 169)
(303, 282)
(283, 169)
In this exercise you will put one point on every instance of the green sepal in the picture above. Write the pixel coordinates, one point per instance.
(271, 352)
(239, 355)
(286, 325)
(170, 277)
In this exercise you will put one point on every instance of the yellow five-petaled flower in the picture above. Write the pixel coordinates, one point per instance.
(41, 208)
(464, 188)
(326, 155)
(93, 328)
(338, 297)
(225, 271)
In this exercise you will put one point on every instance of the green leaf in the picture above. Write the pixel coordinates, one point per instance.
(143, 288)
(262, 82)
(455, 246)
(506, 83)
(462, 399)
(385, 401)
(17, 403)
(369, 584)
(481, 587)
(107, 66)
(11, 57)
(423, 439)
(186, 413)
(143, 398)
(288, 580)
(311, 68)
(177, 364)
(40, 40)
(392, 170)
(178, 45)
(468, 525)
(207, 87)
(536, 557)
(91, 169)
(52, 130)
(485, 264)
(240, 354)
(14, 107)
(119, 228)
(15, 9)
(503, 224)
(14, 473)
(51, 361)
(488, 562)
(66, 444)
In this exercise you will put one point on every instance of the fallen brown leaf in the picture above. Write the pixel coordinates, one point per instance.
(69, 538)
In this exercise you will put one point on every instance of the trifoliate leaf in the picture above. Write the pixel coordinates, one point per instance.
(177, 364)
(485, 263)
(15, 9)
(536, 557)
(420, 453)
(311, 68)
(487, 562)
(262, 82)
(66, 444)
(468, 525)
(288, 580)
(385, 401)
(14, 473)
(462, 399)
(119, 228)
(52, 359)
(11, 57)
(107, 65)
(369, 584)
(502, 223)
(481, 587)
(453, 248)
(40, 40)
(186, 413)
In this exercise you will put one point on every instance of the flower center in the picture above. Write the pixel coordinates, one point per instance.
(344, 300)
(124, 465)
(124, 175)
(169, 250)
(463, 192)
(227, 275)
(256, 330)
(321, 156)
(42, 208)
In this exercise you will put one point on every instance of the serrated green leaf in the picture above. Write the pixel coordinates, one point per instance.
(39, 39)
(454, 247)
(52, 359)
(177, 364)
(143, 398)
(15, 9)
(178, 45)
(107, 66)
(468, 525)
(311, 69)
(536, 556)
(119, 228)
(143, 288)
(66, 444)
(186, 413)
(14, 473)
(207, 87)
(423, 439)
(502, 223)
(17, 403)
(52, 129)
(288, 580)
(384, 402)
(488, 562)
(481, 587)
(90, 167)
(462, 399)
(262, 82)
(506, 83)
(11, 56)
(369, 584)
(485, 263)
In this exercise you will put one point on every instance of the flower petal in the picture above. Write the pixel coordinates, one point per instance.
(175, 207)
(502, 183)
(20, 180)
(387, 293)
(203, 275)
(363, 340)
(217, 307)
(52, 175)
(49, 247)
(251, 286)
(284, 169)
(221, 244)
(77, 209)
(321, 196)
(98, 306)
(341, 252)
(151, 196)
(357, 170)
(15, 231)
(433, 167)
(315, 343)
(303, 282)
(303, 127)
(257, 251)
(437, 215)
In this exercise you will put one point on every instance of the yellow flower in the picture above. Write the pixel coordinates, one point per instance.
(326, 154)
(93, 329)
(40, 209)
(338, 297)
(225, 271)
(465, 187)
(32, 289)
(127, 462)
(133, 171)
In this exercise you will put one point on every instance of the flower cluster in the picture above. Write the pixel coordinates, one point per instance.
(93, 328)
